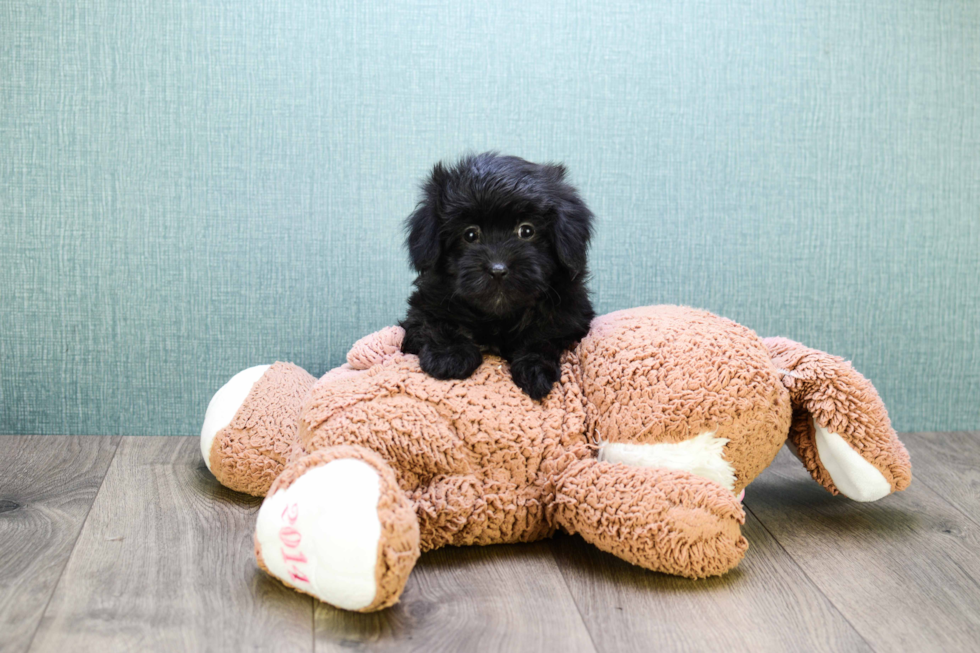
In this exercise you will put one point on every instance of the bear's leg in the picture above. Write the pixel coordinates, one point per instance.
(662, 519)
(251, 425)
(336, 525)
(451, 511)
(413, 437)
(840, 428)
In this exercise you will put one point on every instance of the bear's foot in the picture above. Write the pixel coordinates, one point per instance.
(251, 426)
(224, 405)
(336, 525)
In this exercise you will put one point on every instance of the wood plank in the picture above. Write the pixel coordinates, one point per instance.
(904, 571)
(764, 604)
(165, 562)
(494, 598)
(949, 463)
(47, 486)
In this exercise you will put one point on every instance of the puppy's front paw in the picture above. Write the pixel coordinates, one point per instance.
(535, 375)
(457, 361)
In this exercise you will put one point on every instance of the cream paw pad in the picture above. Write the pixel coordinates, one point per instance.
(341, 531)
(225, 404)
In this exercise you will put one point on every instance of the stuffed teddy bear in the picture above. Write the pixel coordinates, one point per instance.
(662, 416)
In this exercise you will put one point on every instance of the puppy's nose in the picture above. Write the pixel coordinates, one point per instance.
(498, 270)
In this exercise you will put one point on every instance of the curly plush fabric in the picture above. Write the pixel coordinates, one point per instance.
(482, 436)
(651, 406)
(249, 453)
(827, 389)
(660, 519)
(669, 373)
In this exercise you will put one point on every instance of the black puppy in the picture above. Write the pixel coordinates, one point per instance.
(500, 247)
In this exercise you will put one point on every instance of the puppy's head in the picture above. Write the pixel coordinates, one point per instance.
(500, 229)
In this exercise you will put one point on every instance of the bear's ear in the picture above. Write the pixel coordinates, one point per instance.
(424, 239)
(376, 348)
(572, 228)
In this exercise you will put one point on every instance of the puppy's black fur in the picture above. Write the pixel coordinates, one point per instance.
(500, 247)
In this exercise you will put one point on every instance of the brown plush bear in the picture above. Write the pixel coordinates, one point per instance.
(662, 416)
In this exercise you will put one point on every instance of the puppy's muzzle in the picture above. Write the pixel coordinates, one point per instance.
(498, 271)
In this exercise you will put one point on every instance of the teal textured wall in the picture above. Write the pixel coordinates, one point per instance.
(189, 188)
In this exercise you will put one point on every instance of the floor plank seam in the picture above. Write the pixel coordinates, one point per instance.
(578, 610)
(810, 579)
(61, 574)
(939, 494)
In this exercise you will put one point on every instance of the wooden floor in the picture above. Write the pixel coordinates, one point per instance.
(117, 544)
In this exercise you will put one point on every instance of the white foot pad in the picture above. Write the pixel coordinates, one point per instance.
(855, 477)
(321, 533)
(224, 404)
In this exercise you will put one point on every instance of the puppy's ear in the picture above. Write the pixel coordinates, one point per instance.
(423, 241)
(556, 171)
(423, 236)
(572, 228)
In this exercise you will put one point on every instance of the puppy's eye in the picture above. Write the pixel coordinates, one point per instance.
(525, 231)
(471, 235)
